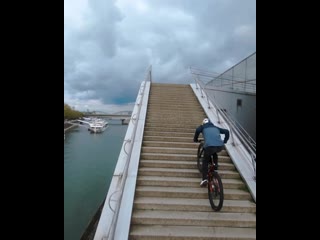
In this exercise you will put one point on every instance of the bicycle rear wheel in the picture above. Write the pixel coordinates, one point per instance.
(200, 157)
(215, 191)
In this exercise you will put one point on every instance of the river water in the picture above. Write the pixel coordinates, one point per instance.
(89, 163)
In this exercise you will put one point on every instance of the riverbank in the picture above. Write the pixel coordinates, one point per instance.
(93, 224)
(68, 126)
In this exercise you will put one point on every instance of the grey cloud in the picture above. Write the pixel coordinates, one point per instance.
(107, 57)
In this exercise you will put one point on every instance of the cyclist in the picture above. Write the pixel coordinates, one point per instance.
(212, 144)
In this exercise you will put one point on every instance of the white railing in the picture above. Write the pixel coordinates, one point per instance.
(235, 127)
(242, 148)
(106, 228)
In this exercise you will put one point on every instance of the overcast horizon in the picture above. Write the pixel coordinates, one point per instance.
(108, 45)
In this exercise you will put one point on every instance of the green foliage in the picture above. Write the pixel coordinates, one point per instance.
(70, 114)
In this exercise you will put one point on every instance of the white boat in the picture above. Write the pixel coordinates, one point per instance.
(98, 125)
(87, 119)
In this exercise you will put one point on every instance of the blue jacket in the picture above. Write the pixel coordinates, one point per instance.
(211, 135)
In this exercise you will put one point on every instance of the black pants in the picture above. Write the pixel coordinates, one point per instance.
(208, 151)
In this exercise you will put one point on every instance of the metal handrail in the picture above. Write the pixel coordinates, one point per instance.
(224, 73)
(225, 81)
(235, 127)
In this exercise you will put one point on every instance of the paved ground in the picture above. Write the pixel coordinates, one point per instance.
(66, 125)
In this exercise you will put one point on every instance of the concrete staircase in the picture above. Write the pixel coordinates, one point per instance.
(169, 203)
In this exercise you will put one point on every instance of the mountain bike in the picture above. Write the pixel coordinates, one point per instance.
(215, 186)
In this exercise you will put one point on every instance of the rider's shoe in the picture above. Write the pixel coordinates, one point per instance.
(203, 183)
(216, 167)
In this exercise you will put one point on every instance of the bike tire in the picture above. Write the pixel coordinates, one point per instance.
(215, 192)
(200, 156)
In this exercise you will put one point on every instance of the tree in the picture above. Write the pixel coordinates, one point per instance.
(70, 114)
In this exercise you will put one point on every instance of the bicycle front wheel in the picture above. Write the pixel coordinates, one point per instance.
(215, 191)
(200, 157)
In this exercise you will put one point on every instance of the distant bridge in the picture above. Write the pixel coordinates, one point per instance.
(111, 116)
(124, 116)
(100, 113)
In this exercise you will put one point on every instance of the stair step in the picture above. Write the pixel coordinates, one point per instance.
(169, 86)
(176, 172)
(169, 129)
(182, 118)
(170, 134)
(178, 157)
(172, 109)
(162, 144)
(175, 109)
(188, 192)
(176, 150)
(197, 205)
(158, 232)
(210, 219)
(172, 125)
(166, 181)
(170, 106)
(167, 139)
(174, 120)
(180, 165)
(171, 150)
(170, 144)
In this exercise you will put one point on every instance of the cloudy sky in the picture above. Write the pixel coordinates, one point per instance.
(109, 44)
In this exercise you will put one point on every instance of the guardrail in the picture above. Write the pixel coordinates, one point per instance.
(243, 147)
(128, 157)
(235, 127)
